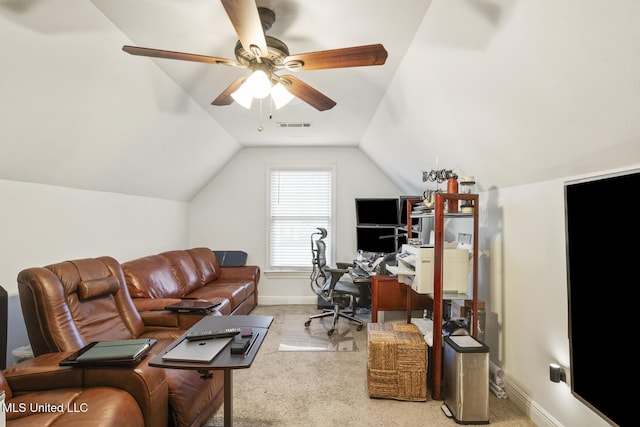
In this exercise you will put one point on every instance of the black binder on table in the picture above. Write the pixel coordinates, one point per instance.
(193, 306)
(115, 352)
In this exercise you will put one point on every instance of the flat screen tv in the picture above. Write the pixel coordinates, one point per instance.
(602, 238)
(376, 239)
(381, 211)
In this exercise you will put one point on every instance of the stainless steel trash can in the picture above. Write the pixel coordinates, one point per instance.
(466, 379)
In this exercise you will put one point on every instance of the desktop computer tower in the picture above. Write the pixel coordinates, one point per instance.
(466, 379)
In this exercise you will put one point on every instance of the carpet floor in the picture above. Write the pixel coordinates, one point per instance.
(329, 388)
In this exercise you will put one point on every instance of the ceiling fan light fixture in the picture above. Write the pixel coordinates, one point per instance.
(243, 95)
(280, 96)
(258, 84)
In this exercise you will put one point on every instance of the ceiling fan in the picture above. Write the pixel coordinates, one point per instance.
(266, 55)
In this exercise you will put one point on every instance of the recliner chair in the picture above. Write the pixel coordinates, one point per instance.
(72, 303)
(326, 283)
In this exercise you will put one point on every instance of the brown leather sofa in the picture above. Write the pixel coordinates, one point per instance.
(39, 392)
(156, 281)
(70, 304)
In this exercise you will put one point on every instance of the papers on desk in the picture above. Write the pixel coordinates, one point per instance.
(397, 270)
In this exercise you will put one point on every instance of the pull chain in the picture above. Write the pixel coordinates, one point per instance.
(260, 128)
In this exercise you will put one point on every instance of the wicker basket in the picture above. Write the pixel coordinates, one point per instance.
(397, 361)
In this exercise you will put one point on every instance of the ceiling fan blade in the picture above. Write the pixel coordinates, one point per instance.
(357, 56)
(308, 94)
(167, 54)
(225, 97)
(245, 19)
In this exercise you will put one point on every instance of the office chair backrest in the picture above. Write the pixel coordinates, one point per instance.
(319, 260)
(322, 260)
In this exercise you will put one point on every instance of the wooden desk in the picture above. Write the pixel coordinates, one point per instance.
(388, 294)
(224, 360)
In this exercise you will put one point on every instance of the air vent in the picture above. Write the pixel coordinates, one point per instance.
(294, 125)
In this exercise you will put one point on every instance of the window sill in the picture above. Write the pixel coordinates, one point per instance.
(287, 274)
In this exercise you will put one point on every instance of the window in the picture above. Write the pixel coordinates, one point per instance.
(301, 200)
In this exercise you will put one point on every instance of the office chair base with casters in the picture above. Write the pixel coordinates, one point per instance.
(325, 282)
(336, 313)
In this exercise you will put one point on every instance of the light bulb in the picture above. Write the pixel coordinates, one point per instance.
(259, 84)
(280, 96)
(243, 96)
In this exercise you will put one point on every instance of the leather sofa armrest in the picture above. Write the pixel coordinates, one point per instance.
(164, 318)
(152, 311)
(43, 373)
(147, 385)
(246, 272)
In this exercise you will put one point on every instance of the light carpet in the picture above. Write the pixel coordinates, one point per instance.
(308, 389)
(296, 337)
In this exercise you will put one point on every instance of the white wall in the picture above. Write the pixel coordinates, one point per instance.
(231, 211)
(42, 224)
(523, 279)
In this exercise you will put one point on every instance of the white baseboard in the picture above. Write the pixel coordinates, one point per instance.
(287, 300)
(527, 405)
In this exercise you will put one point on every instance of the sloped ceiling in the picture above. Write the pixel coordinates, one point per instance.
(514, 92)
(510, 91)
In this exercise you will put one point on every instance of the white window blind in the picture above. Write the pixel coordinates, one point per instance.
(300, 202)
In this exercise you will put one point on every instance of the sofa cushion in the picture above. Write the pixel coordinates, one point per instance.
(151, 277)
(207, 263)
(185, 270)
(234, 291)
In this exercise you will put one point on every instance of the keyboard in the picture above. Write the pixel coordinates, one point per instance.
(359, 273)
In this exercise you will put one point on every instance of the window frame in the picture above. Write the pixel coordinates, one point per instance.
(324, 167)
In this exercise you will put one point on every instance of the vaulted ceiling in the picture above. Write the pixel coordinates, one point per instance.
(510, 91)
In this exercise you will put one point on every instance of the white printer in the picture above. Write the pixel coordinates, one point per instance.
(416, 266)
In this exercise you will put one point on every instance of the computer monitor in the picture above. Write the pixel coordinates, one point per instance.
(377, 211)
(404, 200)
(376, 239)
(407, 232)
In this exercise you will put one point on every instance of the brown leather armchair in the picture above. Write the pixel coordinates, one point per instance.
(39, 392)
(70, 304)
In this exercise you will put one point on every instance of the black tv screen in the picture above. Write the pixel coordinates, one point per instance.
(382, 211)
(376, 239)
(602, 237)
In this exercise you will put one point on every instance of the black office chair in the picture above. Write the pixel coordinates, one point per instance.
(325, 282)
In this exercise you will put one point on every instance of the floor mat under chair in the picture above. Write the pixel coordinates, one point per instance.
(296, 337)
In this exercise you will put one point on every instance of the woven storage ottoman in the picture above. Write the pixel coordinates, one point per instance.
(397, 361)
